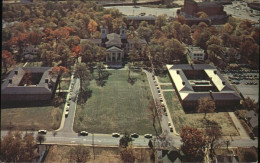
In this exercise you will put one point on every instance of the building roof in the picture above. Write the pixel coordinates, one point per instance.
(208, 5)
(40, 88)
(195, 49)
(114, 49)
(138, 17)
(113, 39)
(186, 91)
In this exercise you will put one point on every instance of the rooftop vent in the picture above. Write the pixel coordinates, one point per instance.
(183, 83)
(16, 72)
(46, 80)
(10, 81)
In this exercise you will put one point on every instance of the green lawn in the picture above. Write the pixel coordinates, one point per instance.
(31, 118)
(181, 119)
(117, 107)
(164, 78)
(167, 87)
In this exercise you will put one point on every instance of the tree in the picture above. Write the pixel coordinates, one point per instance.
(125, 140)
(83, 74)
(202, 15)
(118, 23)
(160, 21)
(152, 108)
(250, 155)
(173, 50)
(76, 51)
(40, 138)
(144, 32)
(27, 79)
(194, 143)
(214, 133)
(186, 34)
(92, 26)
(108, 21)
(34, 38)
(127, 155)
(249, 104)
(228, 28)
(14, 148)
(79, 153)
(59, 72)
(206, 105)
(7, 59)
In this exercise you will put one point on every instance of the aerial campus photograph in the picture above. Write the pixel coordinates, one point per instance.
(111, 81)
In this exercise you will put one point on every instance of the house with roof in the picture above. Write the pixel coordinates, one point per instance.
(117, 45)
(135, 20)
(195, 53)
(29, 84)
(195, 81)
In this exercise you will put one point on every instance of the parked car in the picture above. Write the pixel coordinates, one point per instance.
(42, 132)
(171, 129)
(251, 135)
(84, 133)
(169, 123)
(165, 114)
(116, 135)
(66, 114)
(148, 136)
(67, 108)
(134, 135)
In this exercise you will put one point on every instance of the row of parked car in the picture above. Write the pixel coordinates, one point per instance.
(116, 135)
(240, 71)
(68, 103)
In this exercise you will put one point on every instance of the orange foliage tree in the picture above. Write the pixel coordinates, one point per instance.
(92, 26)
(194, 143)
(7, 59)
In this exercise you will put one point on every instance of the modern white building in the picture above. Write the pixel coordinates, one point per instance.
(195, 53)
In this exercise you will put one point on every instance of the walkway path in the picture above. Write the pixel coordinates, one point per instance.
(167, 90)
(240, 128)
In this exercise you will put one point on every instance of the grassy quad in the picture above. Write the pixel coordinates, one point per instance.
(117, 107)
(31, 118)
(181, 119)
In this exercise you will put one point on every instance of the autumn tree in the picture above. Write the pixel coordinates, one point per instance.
(173, 50)
(214, 133)
(7, 59)
(59, 72)
(20, 41)
(79, 153)
(92, 26)
(202, 15)
(125, 140)
(249, 155)
(40, 138)
(194, 143)
(249, 104)
(206, 105)
(83, 74)
(34, 38)
(118, 23)
(15, 148)
(27, 79)
(127, 155)
(160, 21)
(108, 21)
(186, 34)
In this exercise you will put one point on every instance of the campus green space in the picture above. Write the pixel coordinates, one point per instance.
(166, 87)
(118, 106)
(181, 119)
(31, 118)
(164, 78)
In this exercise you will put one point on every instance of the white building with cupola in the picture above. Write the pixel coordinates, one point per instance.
(117, 45)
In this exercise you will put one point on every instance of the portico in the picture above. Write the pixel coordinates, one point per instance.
(115, 55)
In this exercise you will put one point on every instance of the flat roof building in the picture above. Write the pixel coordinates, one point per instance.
(195, 81)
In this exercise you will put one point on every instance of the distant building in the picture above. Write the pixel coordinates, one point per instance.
(136, 20)
(195, 53)
(42, 85)
(117, 45)
(30, 52)
(214, 10)
(195, 81)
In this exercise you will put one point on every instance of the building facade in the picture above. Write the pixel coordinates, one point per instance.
(195, 53)
(117, 45)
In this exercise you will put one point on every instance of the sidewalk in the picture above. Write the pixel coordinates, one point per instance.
(242, 132)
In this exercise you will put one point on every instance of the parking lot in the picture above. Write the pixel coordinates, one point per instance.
(241, 10)
(246, 81)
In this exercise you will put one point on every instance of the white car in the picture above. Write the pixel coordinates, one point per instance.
(67, 109)
(84, 133)
(42, 131)
(66, 113)
(116, 135)
(148, 136)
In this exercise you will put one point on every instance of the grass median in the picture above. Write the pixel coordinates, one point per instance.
(118, 106)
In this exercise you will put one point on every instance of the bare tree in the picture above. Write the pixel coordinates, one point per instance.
(152, 108)
(40, 138)
(206, 105)
(127, 155)
(79, 154)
